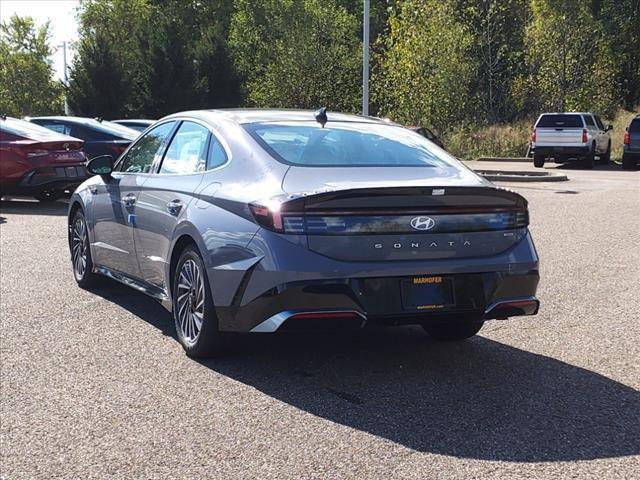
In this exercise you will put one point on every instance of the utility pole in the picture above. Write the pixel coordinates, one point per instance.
(63, 45)
(365, 60)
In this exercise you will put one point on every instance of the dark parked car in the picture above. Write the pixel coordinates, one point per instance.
(37, 162)
(137, 124)
(269, 220)
(100, 137)
(631, 152)
(428, 134)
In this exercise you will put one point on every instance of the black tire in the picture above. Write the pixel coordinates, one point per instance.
(455, 330)
(589, 161)
(538, 161)
(208, 341)
(605, 158)
(79, 245)
(628, 163)
(47, 196)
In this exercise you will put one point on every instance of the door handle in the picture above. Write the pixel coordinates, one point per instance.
(174, 207)
(129, 199)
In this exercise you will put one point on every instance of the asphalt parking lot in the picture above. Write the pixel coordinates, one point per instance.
(95, 386)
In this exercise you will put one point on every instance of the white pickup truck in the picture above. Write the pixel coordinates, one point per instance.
(570, 136)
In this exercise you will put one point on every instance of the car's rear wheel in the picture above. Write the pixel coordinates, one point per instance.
(589, 161)
(454, 330)
(80, 252)
(538, 161)
(628, 163)
(193, 312)
(606, 156)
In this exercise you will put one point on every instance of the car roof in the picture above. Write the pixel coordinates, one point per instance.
(258, 115)
(567, 113)
(143, 120)
(64, 118)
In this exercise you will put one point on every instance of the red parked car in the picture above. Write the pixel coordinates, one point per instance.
(38, 162)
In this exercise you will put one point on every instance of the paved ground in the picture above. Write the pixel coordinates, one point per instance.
(95, 386)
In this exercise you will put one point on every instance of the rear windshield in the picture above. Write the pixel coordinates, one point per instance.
(29, 130)
(635, 125)
(561, 121)
(114, 129)
(347, 144)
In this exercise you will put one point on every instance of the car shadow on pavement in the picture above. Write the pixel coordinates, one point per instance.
(33, 207)
(477, 399)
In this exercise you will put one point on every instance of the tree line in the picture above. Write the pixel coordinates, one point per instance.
(442, 63)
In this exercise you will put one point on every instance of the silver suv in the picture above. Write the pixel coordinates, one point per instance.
(570, 136)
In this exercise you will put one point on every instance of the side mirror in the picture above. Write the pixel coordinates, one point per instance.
(609, 128)
(102, 165)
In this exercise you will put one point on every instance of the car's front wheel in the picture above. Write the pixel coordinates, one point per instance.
(454, 330)
(80, 252)
(193, 312)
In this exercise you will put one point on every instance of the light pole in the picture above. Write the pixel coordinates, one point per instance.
(365, 60)
(63, 45)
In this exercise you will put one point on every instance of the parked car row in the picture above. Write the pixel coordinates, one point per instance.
(45, 156)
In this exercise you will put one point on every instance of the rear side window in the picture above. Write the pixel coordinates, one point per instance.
(140, 156)
(589, 121)
(560, 121)
(217, 155)
(598, 122)
(57, 127)
(187, 152)
(635, 125)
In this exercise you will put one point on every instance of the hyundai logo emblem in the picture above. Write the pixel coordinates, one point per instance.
(423, 223)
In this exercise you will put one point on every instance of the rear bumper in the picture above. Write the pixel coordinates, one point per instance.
(66, 177)
(262, 298)
(631, 154)
(562, 153)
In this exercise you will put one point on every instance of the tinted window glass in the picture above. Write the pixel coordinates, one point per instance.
(217, 155)
(187, 152)
(57, 127)
(589, 121)
(635, 125)
(348, 144)
(140, 156)
(560, 121)
(598, 122)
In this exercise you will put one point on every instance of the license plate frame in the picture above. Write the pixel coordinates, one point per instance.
(427, 293)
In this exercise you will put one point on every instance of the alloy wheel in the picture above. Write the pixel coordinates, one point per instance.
(190, 301)
(79, 248)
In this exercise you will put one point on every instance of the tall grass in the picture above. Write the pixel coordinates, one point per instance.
(512, 140)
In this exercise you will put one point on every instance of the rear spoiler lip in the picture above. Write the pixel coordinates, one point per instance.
(307, 199)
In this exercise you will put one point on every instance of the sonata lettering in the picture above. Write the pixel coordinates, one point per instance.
(419, 245)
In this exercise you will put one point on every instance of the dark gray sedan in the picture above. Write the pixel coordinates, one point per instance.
(273, 220)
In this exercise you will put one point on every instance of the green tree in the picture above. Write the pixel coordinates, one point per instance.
(497, 27)
(426, 68)
(27, 86)
(569, 58)
(297, 53)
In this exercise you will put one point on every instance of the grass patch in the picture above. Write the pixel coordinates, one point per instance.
(471, 142)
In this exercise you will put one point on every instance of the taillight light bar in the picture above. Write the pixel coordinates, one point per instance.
(276, 218)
